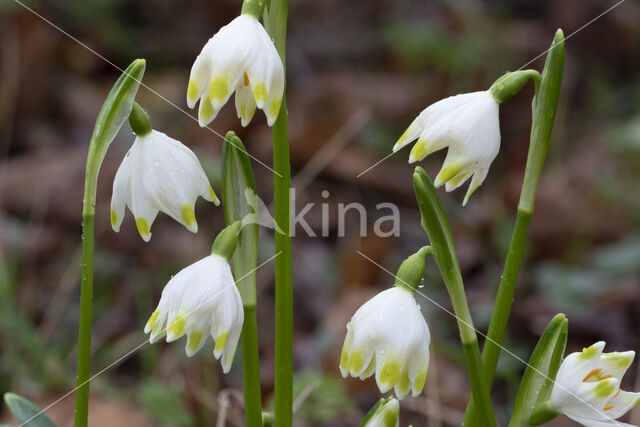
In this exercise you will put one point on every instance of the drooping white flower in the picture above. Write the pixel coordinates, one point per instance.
(201, 300)
(159, 173)
(240, 57)
(587, 387)
(385, 413)
(388, 336)
(468, 125)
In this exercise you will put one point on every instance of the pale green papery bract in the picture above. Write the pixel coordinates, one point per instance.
(388, 336)
(468, 124)
(241, 57)
(587, 387)
(387, 415)
(202, 299)
(159, 173)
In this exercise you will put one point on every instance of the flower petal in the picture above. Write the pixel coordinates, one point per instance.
(616, 364)
(598, 423)
(245, 104)
(621, 403)
(121, 189)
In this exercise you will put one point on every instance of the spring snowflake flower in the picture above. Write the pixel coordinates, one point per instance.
(389, 337)
(468, 125)
(203, 299)
(241, 57)
(385, 413)
(159, 174)
(587, 387)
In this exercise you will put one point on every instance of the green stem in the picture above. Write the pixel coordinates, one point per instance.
(275, 19)
(438, 229)
(86, 300)
(543, 115)
(251, 368)
(240, 203)
(253, 8)
(113, 113)
(284, 286)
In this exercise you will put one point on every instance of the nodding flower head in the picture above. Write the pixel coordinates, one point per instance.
(201, 300)
(468, 125)
(241, 57)
(389, 337)
(587, 387)
(159, 174)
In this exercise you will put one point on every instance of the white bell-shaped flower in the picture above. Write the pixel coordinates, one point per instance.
(385, 413)
(201, 300)
(388, 336)
(587, 387)
(240, 57)
(159, 173)
(468, 125)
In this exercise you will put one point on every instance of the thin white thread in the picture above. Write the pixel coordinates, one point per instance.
(146, 341)
(489, 339)
(142, 84)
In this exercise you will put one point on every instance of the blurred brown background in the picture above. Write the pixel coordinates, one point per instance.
(359, 71)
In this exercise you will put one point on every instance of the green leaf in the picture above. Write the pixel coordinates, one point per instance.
(240, 203)
(544, 107)
(26, 412)
(373, 410)
(114, 112)
(436, 224)
(542, 369)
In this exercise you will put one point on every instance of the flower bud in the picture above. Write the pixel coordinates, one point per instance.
(385, 413)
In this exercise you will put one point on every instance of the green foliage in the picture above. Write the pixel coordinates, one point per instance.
(542, 369)
(606, 269)
(24, 354)
(326, 398)
(164, 404)
(240, 203)
(112, 115)
(421, 45)
(438, 229)
(26, 412)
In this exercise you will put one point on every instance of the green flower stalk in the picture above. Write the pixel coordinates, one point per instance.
(114, 112)
(435, 223)
(275, 20)
(241, 204)
(544, 110)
